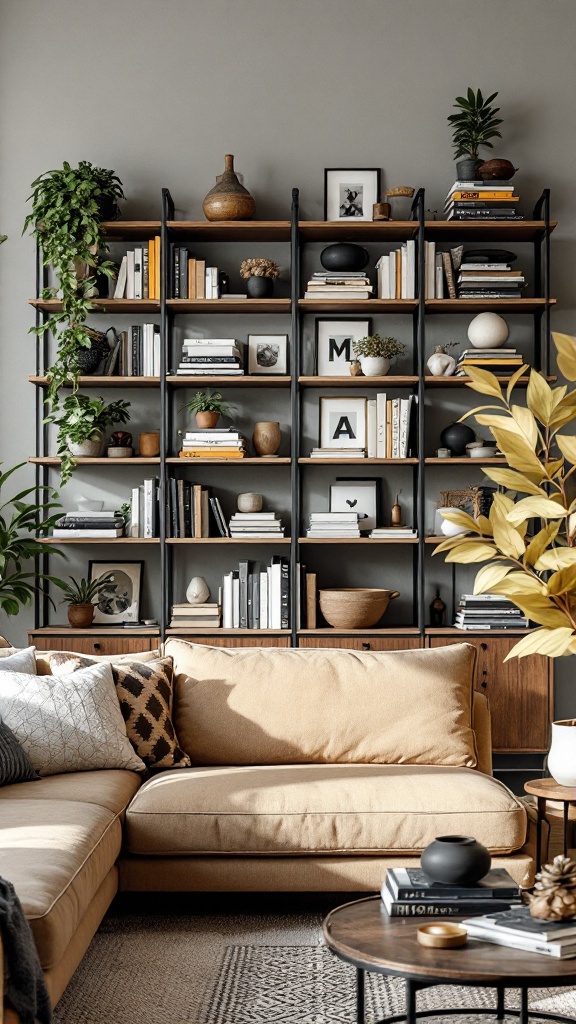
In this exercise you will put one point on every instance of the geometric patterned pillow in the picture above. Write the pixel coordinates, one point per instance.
(144, 690)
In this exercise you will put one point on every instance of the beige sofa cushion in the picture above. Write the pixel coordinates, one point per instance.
(282, 706)
(320, 809)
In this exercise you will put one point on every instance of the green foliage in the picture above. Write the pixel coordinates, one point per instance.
(81, 418)
(207, 401)
(84, 591)
(68, 207)
(375, 345)
(474, 124)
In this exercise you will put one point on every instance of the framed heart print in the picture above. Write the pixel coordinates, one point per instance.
(361, 495)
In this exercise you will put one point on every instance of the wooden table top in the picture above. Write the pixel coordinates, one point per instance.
(363, 934)
(550, 789)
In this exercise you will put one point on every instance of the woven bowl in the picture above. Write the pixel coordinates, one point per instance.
(354, 607)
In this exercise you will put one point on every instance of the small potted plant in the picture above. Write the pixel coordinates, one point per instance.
(82, 422)
(473, 126)
(259, 275)
(81, 596)
(375, 353)
(207, 406)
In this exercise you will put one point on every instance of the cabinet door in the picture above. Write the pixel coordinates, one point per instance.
(237, 641)
(519, 691)
(96, 644)
(362, 643)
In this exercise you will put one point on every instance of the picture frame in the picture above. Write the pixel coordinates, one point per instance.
(120, 601)
(343, 422)
(268, 354)
(358, 494)
(350, 193)
(334, 338)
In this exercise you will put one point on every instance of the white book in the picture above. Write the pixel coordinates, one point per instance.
(130, 274)
(371, 428)
(264, 600)
(381, 425)
(383, 269)
(148, 499)
(235, 602)
(430, 269)
(405, 404)
(439, 283)
(156, 356)
(90, 533)
(121, 281)
(274, 596)
(392, 275)
(193, 342)
(410, 269)
(227, 602)
(395, 428)
(135, 513)
(138, 273)
(403, 272)
(530, 945)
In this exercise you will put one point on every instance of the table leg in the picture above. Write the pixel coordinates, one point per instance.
(566, 810)
(500, 999)
(411, 990)
(541, 815)
(359, 996)
(523, 1006)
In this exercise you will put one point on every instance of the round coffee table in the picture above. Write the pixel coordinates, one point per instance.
(362, 934)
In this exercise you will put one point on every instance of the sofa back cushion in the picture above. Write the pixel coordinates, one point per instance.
(282, 706)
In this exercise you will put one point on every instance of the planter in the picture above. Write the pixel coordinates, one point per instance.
(562, 755)
(89, 449)
(455, 860)
(374, 366)
(467, 169)
(80, 616)
(259, 287)
(266, 438)
(207, 420)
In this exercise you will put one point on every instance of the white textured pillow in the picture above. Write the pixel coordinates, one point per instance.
(72, 724)
(15, 660)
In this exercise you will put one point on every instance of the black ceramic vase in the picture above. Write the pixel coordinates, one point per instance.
(455, 860)
(344, 256)
(456, 437)
(259, 287)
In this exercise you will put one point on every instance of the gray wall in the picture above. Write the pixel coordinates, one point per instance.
(160, 91)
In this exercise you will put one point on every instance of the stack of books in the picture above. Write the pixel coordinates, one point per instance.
(394, 533)
(195, 616)
(485, 279)
(496, 360)
(389, 426)
(83, 525)
(139, 272)
(518, 930)
(212, 357)
(397, 273)
(144, 514)
(257, 597)
(331, 285)
(188, 510)
(213, 443)
(338, 453)
(482, 200)
(408, 892)
(489, 611)
(248, 525)
(333, 524)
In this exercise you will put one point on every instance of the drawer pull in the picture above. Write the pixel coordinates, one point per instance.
(96, 646)
(366, 646)
(484, 647)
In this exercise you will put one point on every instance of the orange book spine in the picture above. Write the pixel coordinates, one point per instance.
(152, 269)
(157, 267)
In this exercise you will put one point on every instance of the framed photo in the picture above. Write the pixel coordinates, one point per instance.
(342, 422)
(350, 194)
(334, 340)
(121, 598)
(361, 495)
(268, 353)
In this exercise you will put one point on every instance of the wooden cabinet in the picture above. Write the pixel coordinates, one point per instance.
(362, 643)
(96, 644)
(236, 641)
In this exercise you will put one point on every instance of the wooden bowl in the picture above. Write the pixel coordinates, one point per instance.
(354, 607)
(442, 935)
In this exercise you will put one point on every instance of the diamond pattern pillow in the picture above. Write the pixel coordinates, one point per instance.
(15, 764)
(144, 690)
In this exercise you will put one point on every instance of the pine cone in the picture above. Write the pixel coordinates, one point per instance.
(554, 896)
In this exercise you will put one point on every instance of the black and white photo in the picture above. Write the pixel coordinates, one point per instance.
(334, 340)
(267, 353)
(349, 193)
(119, 601)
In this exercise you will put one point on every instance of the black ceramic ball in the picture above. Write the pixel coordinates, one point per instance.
(456, 860)
(344, 256)
(456, 437)
(259, 287)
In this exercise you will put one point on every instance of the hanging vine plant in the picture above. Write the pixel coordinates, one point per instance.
(68, 208)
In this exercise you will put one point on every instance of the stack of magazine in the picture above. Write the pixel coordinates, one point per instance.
(517, 929)
(408, 892)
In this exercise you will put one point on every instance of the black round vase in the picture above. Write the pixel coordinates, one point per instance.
(456, 437)
(259, 287)
(344, 256)
(455, 860)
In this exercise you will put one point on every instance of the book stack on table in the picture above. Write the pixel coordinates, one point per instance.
(488, 611)
(482, 200)
(82, 525)
(344, 285)
(213, 443)
(518, 930)
(408, 892)
(212, 357)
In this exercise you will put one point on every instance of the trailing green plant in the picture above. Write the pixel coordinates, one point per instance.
(21, 522)
(474, 124)
(81, 418)
(207, 401)
(375, 346)
(84, 591)
(68, 208)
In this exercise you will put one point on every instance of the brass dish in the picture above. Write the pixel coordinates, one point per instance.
(442, 935)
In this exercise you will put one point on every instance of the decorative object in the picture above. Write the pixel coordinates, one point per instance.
(488, 330)
(268, 353)
(442, 935)
(396, 512)
(562, 753)
(342, 422)
(83, 419)
(456, 860)
(266, 438)
(354, 607)
(381, 211)
(120, 445)
(149, 444)
(444, 453)
(440, 363)
(456, 437)
(488, 256)
(120, 598)
(473, 126)
(355, 368)
(554, 896)
(482, 451)
(400, 198)
(250, 501)
(334, 345)
(89, 359)
(452, 527)
(344, 257)
(350, 194)
(375, 353)
(89, 505)
(437, 610)
(208, 406)
(90, 449)
(361, 495)
(259, 287)
(474, 500)
(228, 199)
(497, 170)
(259, 275)
(81, 596)
(197, 591)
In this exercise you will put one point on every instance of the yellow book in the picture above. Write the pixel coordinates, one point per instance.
(157, 267)
(481, 194)
(212, 453)
(152, 269)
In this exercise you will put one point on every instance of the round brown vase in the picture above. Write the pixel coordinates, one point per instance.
(80, 616)
(266, 438)
(228, 200)
(207, 420)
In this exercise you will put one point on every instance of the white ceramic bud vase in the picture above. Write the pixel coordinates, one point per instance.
(562, 754)
(374, 366)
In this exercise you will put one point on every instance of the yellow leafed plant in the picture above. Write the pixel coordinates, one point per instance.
(528, 542)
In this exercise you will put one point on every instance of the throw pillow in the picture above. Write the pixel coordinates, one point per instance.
(44, 659)
(72, 724)
(18, 661)
(144, 690)
(15, 764)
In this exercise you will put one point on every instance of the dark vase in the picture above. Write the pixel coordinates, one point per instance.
(455, 860)
(228, 199)
(456, 437)
(259, 287)
(344, 256)
(108, 208)
(467, 169)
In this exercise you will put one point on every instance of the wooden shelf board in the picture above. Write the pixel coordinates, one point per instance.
(229, 305)
(54, 460)
(220, 631)
(128, 229)
(358, 462)
(434, 540)
(104, 382)
(232, 230)
(228, 540)
(57, 541)
(465, 460)
(357, 382)
(357, 540)
(354, 231)
(332, 631)
(497, 230)
(114, 306)
(460, 382)
(247, 381)
(358, 305)
(487, 305)
(96, 630)
(175, 461)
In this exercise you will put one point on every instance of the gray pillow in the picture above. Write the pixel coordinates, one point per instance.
(15, 765)
(20, 661)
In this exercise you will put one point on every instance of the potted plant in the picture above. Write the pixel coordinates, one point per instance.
(81, 596)
(82, 422)
(207, 406)
(259, 275)
(375, 353)
(473, 126)
(68, 208)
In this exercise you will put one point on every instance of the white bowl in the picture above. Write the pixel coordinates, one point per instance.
(89, 505)
(482, 453)
(451, 529)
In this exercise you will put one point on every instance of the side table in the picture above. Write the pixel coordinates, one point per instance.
(548, 789)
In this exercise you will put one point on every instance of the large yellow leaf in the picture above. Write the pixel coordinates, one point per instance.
(564, 413)
(519, 454)
(514, 481)
(554, 468)
(537, 607)
(533, 507)
(540, 542)
(558, 558)
(484, 382)
(551, 642)
(562, 581)
(461, 518)
(565, 354)
(485, 526)
(508, 540)
(489, 575)
(515, 377)
(468, 553)
(450, 542)
(558, 394)
(539, 397)
(504, 422)
(567, 445)
(521, 583)
(527, 424)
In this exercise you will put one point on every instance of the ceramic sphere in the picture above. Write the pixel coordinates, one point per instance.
(488, 330)
(197, 591)
(250, 501)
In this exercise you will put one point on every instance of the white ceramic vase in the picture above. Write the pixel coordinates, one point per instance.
(374, 366)
(91, 449)
(440, 363)
(562, 755)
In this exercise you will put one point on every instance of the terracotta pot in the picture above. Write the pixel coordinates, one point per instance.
(81, 616)
(354, 607)
(149, 444)
(266, 438)
(228, 200)
(207, 420)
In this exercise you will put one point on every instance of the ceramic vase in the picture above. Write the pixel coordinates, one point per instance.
(197, 591)
(455, 860)
(250, 501)
(456, 437)
(562, 755)
(149, 443)
(344, 256)
(81, 616)
(374, 366)
(90, 449)
(266, 438)
(259, 287)
(228, 200)
(440, 363)
(207, 420)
